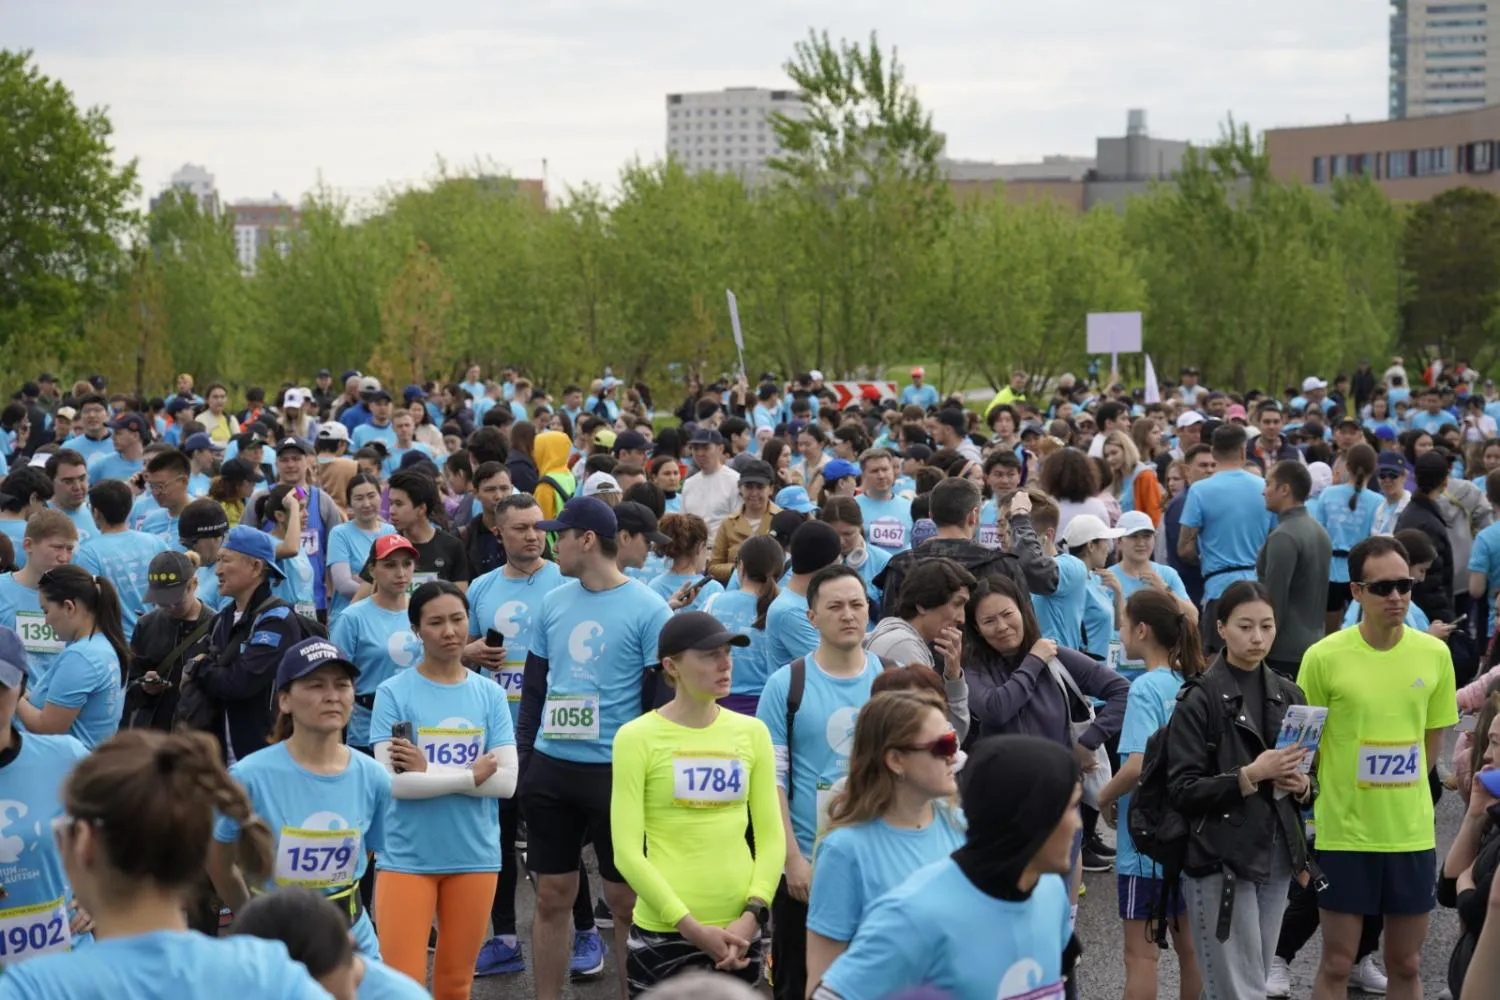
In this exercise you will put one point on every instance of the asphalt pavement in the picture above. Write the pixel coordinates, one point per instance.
(1102, 973)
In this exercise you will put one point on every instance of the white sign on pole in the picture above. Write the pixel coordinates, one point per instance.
(734, 323)
(1114, 333)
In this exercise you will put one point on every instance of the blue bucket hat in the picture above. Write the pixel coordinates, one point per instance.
(795, 498)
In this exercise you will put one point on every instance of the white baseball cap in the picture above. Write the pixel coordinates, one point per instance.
(1189, 418)
(1085, 528)
(332, 430)
(292, 398)
(1313, 383)
(1132, 522)
(815, 375)
(600, 482)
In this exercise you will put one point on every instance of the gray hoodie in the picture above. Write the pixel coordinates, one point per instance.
(895, 640)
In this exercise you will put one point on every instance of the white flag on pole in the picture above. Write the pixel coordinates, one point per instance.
(1152, 393)
(734, 322)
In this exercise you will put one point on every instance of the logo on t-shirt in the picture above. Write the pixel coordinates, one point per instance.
(403, 648)
(586, 642)
(10, 847)
(841, 730)
(511, 618)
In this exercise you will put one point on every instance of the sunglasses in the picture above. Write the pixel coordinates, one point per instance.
(944, 747)
(1391, 475)
(1384, 588)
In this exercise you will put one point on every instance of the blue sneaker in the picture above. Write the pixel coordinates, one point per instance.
(497, 958)
(588, 954)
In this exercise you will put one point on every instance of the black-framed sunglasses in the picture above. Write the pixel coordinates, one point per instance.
(1384, 588)
(1390, 474)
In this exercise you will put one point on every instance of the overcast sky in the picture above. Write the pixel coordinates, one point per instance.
(271, 95)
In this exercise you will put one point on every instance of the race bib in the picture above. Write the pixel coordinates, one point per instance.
(310, 543)
(1389, 765)
(989, 534)
(317, 859)
(510, 677)
(417, 579)
(306, 608)
(451, 747)
(888, 533)
(571, 717)
(36, 635)
(705, 779)
(29, 931)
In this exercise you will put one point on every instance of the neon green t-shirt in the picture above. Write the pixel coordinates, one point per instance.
(1372, 761)
(686, 793)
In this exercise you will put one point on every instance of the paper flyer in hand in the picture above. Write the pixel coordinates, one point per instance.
(1303, 726)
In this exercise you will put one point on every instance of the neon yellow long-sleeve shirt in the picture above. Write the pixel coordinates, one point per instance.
(685, 794)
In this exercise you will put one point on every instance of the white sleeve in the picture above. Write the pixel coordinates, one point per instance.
(432, 783)
(501, 784)
(344, 580)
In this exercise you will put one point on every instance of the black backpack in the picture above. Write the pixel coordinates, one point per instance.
(1159, 831)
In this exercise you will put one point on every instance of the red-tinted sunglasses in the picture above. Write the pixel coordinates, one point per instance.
(944, 747)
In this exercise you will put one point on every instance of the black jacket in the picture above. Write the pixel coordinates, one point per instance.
(1209, 742)
(1433, 595)
(1024, 562)
(156, 635)
(240, 671)
(523, 474)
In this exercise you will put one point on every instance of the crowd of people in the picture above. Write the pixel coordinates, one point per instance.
(292, 695)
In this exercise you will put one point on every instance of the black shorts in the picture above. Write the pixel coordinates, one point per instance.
(1401, 884)
(566, 804)
(651, 957)
(1339, 595)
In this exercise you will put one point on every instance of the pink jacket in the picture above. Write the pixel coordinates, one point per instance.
(1470, 700)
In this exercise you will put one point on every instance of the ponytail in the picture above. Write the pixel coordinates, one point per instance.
(1169, 624)
(1360, 464)
(760, 560)
(98, 595)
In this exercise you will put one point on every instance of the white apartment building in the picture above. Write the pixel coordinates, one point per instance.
(1441, 59)
(260, 225)
(728, 131)
(196, 181)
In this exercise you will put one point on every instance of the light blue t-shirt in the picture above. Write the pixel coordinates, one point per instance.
(392, 463)
(989, 524)
(382, 982)
(937, 928)
(21, 610)
(15, 530)
(451, 833)
(1098, 619)
(1153, 696)
(114, 466)
(735, 610)
(299, 805)
(296, 583)
(82, 517)
(1060, 613)
(789, 633)
(350, 544)
(1131, 669)
(183, 965)
(381, 643)
(198, 485)
(823, 737)
(30, 867)
(856, 865)
(144, 506)
(1229, 511)
(511, 607)
(667, 584)
(1484, 557)
(86, 676)
(597, 644)
(1346, 528)
(124, 558)
(1421, 420)
(365, 433)
(161, 524)
(654, 566)
(887, 522)
(91, 448)
(919, 395)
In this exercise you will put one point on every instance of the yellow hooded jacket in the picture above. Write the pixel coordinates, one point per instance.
(551, 451)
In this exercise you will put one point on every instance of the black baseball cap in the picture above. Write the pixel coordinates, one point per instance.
(757, 471)
(584, 514)
(706, 435)
(294, 443)
(168, 577)
(630, 441)
(638, 519)
(203, 518)
(695, 630)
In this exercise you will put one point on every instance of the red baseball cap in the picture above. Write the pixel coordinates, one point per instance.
(388, 545)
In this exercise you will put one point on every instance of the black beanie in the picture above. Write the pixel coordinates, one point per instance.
(814, 546)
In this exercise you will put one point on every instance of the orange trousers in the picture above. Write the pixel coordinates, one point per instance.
(404, 907)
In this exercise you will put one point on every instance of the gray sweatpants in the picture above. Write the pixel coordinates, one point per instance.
(1236, 969)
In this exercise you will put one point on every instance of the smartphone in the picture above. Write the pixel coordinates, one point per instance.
(401, 731)
(494, 639)
(1459, 621)
(300, 492)
(700, 583)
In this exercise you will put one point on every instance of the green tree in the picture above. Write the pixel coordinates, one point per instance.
(64, 212)
(1452, 256)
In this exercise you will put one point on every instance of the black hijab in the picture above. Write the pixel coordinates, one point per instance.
(1014, 789)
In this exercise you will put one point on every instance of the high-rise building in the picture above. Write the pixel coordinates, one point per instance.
(196, 181)
(262, 224)
(1441, 59)
(728, 131)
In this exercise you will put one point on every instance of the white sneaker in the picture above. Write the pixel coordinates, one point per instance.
(1279, 980)
(1366, 976)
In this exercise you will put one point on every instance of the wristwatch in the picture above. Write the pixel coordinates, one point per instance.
(758, 909)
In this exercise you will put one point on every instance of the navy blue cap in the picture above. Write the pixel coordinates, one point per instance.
(133, 422)
(199, 442)
(348, 374)
(412, 392)
(584, 514)
(706, 435)
(256, 544)
(307, 656)
(13, 663)
(1391, 461)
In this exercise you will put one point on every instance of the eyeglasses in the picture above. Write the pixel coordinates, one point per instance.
(1384, 588)
(945, 747)
(1390, 474)
(159, 487)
